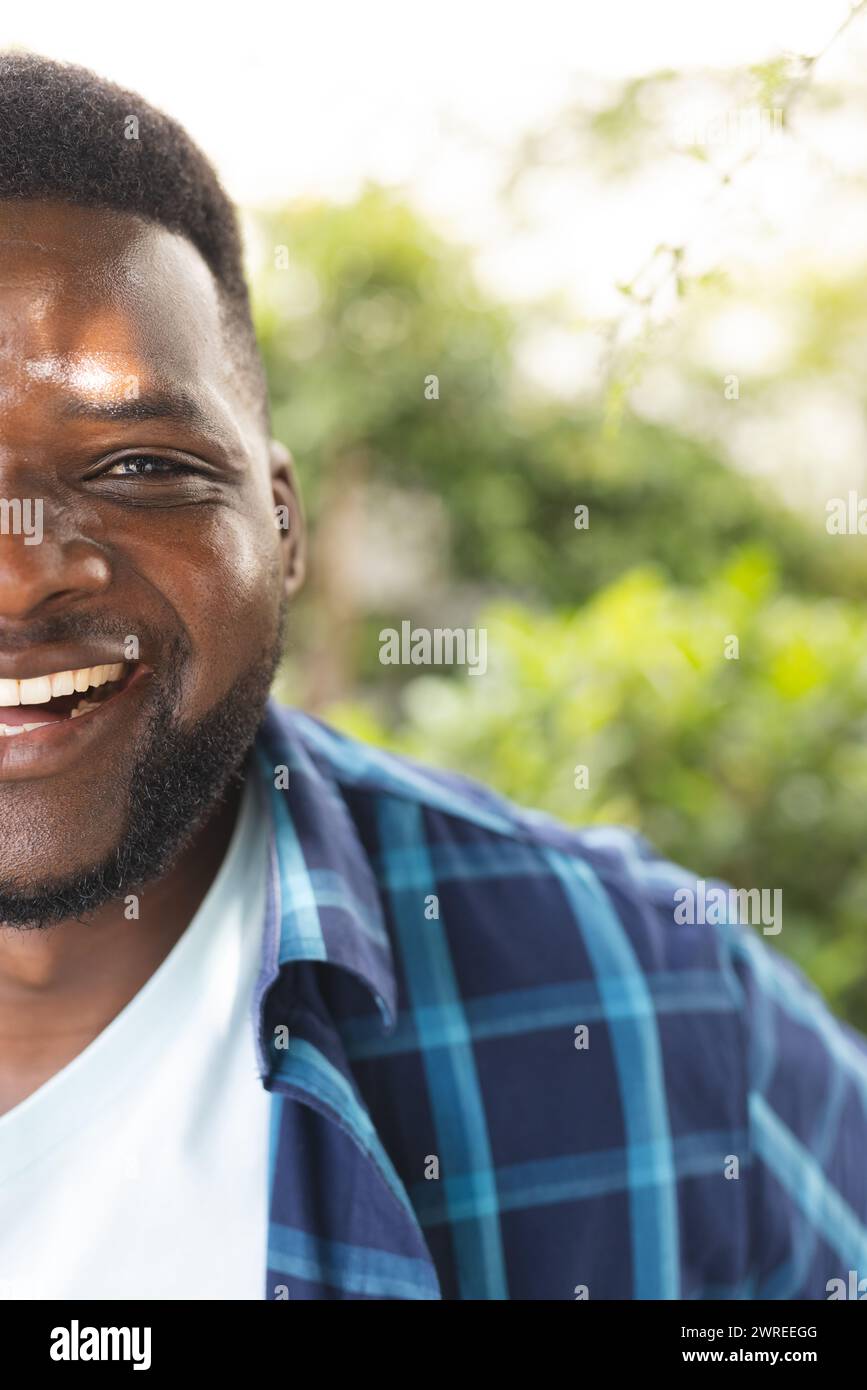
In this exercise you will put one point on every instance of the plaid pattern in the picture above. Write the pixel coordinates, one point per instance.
(437, 1130)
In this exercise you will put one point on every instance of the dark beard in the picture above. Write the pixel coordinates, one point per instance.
(179, 778)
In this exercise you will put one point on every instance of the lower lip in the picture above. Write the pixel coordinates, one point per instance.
(49, 750)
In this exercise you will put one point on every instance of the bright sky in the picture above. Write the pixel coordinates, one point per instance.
(290, 97)
(292, 100)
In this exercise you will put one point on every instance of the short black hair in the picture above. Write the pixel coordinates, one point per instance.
(68, 135)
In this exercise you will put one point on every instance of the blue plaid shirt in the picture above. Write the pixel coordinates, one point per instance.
(500, 1069)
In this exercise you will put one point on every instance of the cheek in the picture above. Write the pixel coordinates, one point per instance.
(221, 577)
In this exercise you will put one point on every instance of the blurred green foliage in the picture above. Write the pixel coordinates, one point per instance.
(606, 646)
(372, 304)
(753, 768)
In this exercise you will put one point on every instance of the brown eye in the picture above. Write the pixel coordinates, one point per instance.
(141, 465)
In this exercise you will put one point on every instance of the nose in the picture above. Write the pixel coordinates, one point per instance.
(41, 571)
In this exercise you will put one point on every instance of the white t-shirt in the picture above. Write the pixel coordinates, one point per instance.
(140, 1169)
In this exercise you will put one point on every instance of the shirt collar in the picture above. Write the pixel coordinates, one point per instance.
(323, 902)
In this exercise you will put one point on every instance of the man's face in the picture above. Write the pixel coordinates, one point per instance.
(128, 445)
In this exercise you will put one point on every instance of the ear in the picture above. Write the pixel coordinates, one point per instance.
(293, 542)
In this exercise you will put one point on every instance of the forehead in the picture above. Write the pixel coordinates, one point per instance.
(91, 300)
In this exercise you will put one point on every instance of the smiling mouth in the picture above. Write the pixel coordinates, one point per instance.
(28, 705)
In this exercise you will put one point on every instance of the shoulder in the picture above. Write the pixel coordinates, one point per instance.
(527, 897)
(596, 903)
(608, 883)
(612, 1045)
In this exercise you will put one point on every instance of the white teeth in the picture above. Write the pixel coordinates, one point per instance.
(10, 730)
(83, 707)
(38, 690)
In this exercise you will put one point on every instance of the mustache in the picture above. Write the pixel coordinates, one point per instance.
(94, 627)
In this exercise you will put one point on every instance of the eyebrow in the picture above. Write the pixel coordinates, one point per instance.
(177, 406)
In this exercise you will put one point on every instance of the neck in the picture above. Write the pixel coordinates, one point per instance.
(61, 986)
